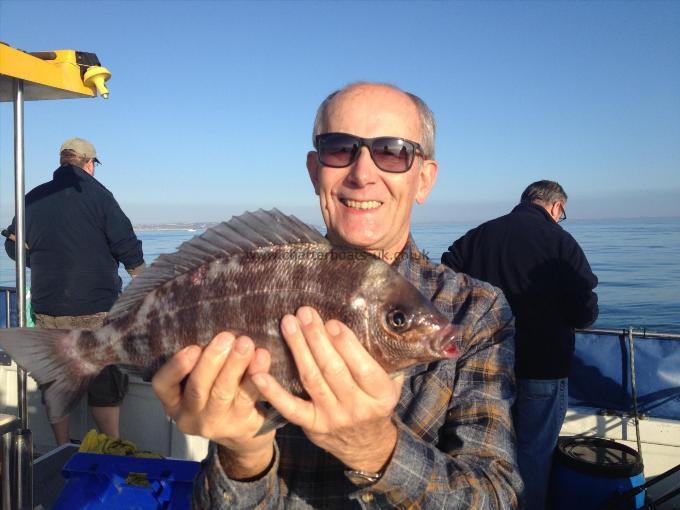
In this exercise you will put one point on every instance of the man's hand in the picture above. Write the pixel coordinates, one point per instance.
(218, 401)
(352, 398)
(136, 271)
(12, 237)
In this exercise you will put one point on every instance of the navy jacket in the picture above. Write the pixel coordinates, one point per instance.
(77, 235)
(546, 278)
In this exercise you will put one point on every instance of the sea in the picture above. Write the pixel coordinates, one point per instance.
(637, 262)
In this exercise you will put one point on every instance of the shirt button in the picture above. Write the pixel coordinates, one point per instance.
(367, 497)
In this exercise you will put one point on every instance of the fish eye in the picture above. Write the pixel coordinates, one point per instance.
(397, 320)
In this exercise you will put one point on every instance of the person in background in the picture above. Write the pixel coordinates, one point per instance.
(547, 280)
(438, 436)
(76, 235)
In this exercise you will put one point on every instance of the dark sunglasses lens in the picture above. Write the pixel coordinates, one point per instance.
(337, 150)
(392, 154)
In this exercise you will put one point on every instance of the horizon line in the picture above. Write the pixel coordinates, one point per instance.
(186, 225)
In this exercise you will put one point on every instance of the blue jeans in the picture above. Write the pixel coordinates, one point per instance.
(538, 415)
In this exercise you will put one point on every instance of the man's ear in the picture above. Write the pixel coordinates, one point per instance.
(313, 170)
(426, 179)
(556, 210)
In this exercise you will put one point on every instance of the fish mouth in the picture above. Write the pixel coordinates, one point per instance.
(360, 204)
(446, 342)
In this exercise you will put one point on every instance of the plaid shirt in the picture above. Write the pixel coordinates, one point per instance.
(455, 446)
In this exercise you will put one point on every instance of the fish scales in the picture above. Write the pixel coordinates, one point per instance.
(230, 295)
(241, 276)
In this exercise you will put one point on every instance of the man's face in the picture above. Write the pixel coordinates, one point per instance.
(363, 206)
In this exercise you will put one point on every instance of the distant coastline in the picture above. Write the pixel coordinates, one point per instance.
(189, 227)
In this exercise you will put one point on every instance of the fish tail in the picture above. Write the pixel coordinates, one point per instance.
(54, 358)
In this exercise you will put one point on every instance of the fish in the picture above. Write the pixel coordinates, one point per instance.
(243, 276)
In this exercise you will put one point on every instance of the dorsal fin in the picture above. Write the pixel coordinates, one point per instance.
(240, 234)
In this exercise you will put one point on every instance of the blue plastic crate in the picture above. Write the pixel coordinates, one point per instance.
(96, 481)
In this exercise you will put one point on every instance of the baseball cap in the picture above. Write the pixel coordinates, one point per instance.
(81, 147)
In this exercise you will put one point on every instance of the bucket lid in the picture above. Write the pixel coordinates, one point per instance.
(601, 457)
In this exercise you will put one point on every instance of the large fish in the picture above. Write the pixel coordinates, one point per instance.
(242, 276)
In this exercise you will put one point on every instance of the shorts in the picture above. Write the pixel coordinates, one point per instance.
(109, 387)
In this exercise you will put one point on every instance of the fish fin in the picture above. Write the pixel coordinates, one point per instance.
(51, 358)
(272, 419)
(241, 234)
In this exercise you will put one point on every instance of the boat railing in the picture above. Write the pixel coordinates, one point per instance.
(637, 333)
(604, 373)
(8, 294)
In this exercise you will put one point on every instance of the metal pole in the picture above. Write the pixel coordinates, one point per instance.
(20, 233)
(24, 462)
(7, 464)
(23, 445)
(636, 416)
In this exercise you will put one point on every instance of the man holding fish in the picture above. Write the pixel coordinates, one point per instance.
(436, 434)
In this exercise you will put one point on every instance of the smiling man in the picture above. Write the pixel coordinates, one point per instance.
(439, 435)
(364, 205)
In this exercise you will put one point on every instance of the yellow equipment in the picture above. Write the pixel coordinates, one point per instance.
(59, 74)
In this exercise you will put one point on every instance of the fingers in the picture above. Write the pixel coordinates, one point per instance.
(362, 368)
(294, 409)
(317, 362)
(340, 359)
(249, 394)
(166, 382)
(218, 401)
(335, 368)
(228, 388)
(200, 383)
(331, 361)
(261, 362)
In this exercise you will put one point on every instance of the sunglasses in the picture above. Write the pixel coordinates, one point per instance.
(563, 216)
(389, 153)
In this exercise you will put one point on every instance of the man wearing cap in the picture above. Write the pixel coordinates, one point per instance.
(77, 235)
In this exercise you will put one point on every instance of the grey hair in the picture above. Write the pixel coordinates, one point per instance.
(71, 157)
(547, 192)
(428, 125)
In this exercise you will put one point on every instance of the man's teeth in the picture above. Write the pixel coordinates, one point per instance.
(369, 204)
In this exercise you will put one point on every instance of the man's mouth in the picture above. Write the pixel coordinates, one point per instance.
(361, 204)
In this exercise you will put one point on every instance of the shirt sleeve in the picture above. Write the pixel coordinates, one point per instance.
(578, 283)
(10, 245)
(455, 257)
(214, 490)
(123, 243)
(474, 463)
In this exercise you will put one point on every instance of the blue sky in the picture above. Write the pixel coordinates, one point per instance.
(211, 103)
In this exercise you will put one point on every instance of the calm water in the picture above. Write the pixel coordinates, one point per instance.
(636, 261)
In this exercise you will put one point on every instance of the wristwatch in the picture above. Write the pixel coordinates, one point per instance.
(362, 478)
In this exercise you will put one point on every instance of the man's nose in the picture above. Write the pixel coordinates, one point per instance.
(363, 171)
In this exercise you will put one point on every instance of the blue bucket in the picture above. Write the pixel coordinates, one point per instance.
(589, 472)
